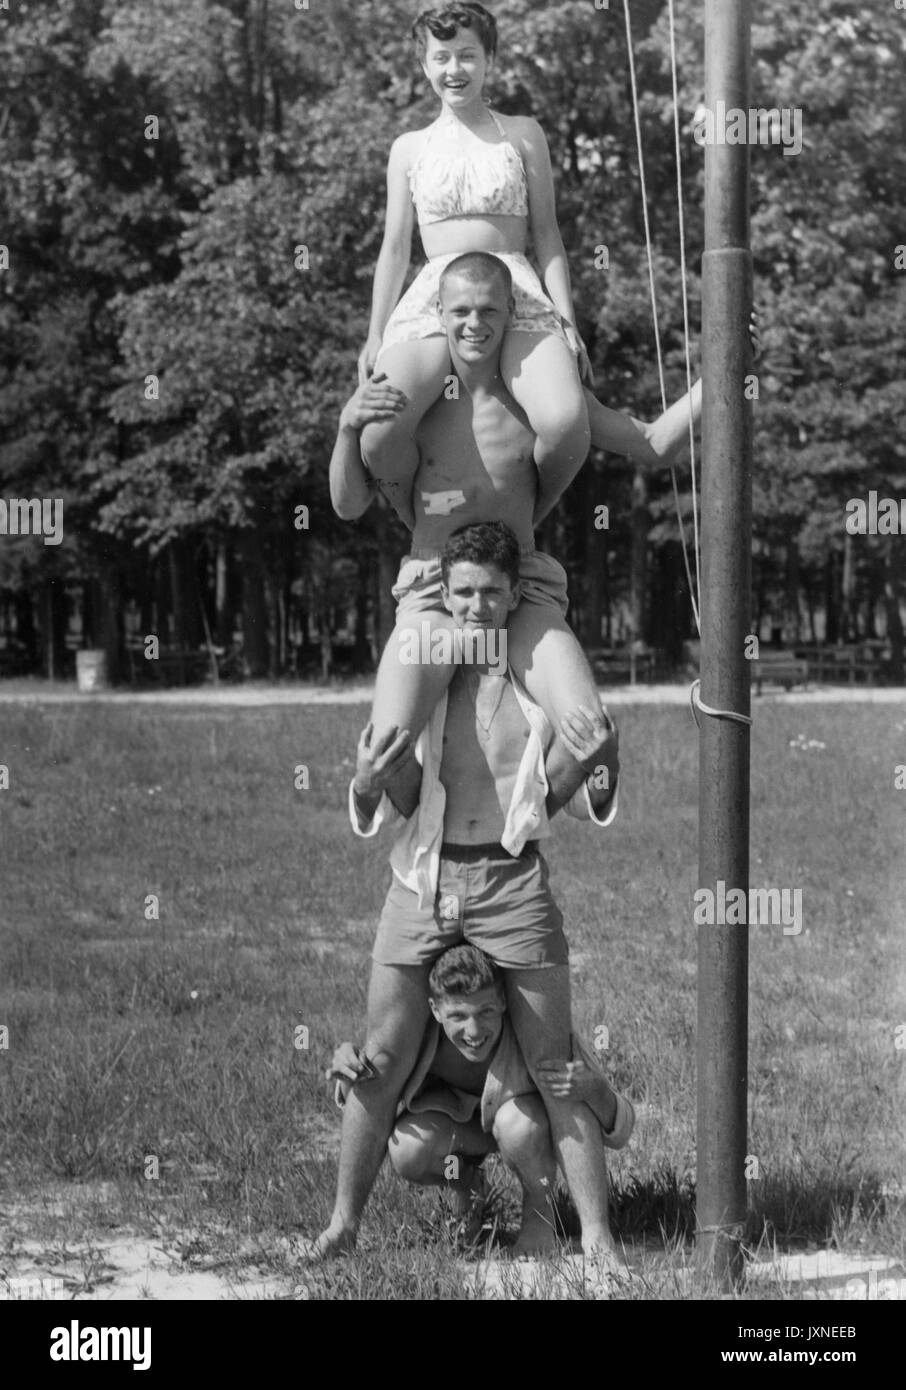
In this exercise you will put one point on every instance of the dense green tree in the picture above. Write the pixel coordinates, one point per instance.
(193, 193)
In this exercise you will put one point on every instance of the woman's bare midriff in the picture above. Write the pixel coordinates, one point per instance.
(457, 235)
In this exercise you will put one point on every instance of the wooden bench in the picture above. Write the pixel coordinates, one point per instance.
(610, 666)
(16, 660)
(779, 668)
(174, 665)
(845, 663)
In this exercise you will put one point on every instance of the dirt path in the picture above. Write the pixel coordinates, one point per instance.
(135, 1267)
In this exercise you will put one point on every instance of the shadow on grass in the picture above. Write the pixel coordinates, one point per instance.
(786, 1212)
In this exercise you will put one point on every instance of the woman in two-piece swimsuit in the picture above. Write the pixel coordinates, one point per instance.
(477, 183)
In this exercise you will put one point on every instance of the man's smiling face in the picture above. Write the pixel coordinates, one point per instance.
(472, 1022)
(475, 315)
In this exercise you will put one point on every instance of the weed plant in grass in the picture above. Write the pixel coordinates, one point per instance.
(175, 1038)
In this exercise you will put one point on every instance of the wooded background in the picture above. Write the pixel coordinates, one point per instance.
(177, 257)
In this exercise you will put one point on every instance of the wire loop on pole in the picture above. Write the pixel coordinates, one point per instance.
(695, 700)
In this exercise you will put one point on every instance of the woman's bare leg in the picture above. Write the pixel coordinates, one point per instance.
(540, 372)
(668, 435)
(409, 683)
(655, 445)
(545, 654)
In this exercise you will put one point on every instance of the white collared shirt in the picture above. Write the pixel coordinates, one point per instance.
(415, 856)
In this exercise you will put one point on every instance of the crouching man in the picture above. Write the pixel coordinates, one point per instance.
(470, 1094)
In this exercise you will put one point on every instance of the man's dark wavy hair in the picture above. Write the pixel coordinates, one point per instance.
(484, 543)
(444, 20)
(462, 970)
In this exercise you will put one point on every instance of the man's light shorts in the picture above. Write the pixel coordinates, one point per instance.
(542, 580)
(500, 904)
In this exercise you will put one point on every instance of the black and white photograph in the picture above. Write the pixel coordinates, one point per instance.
(453, 664)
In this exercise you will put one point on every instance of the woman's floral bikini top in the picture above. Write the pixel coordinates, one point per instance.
(490, 182)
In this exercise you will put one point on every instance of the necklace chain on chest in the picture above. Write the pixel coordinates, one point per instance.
(485, 696)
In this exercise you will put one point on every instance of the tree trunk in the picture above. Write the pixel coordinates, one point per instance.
(875, 601)
(810, 605)
(255, 644)
(89, 613)
(26, 632)
(146, 614)
(223, 614)
(163, 603)
(792, 619)
(831, 599)
(639, 565)
(894, 573)
(669, 617)
(325, 635)
(53, 630)
(847, 616)
(276, 635)
(759, 566)
(188, 629)
(109, 622)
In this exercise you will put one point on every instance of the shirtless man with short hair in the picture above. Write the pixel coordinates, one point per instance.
(476, 463)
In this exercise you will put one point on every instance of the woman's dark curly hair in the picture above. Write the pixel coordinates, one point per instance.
(444, 21)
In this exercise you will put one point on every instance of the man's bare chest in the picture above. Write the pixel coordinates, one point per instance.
(463, 440)
(485, 731)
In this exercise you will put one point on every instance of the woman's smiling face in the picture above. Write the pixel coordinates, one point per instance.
(457, 68)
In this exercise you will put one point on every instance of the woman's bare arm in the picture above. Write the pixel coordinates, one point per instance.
(396, 248)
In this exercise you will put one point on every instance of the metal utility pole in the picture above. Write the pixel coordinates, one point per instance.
(725, 671)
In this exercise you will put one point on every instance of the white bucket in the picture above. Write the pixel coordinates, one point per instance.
(91, 670)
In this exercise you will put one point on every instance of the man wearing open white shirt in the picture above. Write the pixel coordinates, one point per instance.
(472, 800)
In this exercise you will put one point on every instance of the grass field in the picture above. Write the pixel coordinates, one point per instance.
(132, 1038)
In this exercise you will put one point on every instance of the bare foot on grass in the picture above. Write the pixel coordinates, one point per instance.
(537, 1237)
(605, 1266)
(327, 1246)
